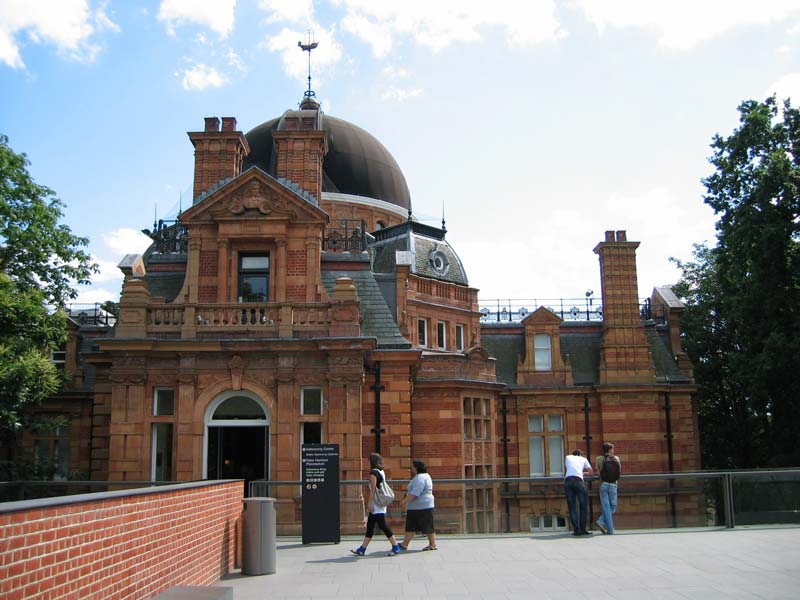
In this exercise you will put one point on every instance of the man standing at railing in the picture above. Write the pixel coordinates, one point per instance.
(609, 467)
(576, 466)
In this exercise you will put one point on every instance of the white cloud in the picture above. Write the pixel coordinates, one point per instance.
(126, 241)
(682, 24)
(787, 86)
(395, 72)
(69, 25)
(294, 11)
(200, 77)
(295, 62)
(109, 272)
(97, 295)
(377, 35)
(437, 25)
(234, 60)
(217, 15)
(400, 94)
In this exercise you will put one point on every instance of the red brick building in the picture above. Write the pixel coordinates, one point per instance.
(297, 301)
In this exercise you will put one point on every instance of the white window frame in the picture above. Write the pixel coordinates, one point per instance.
(153, 450)
(303, 400)
(540, 350)
(61, 361)
(422, 333)
(536, 523)
(441, 335)
(459, 337)
(155, 401)
(553, 465)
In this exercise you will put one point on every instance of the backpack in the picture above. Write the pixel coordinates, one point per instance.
(384, 495)
(609, 472)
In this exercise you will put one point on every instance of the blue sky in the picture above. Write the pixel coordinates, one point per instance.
(535, 125)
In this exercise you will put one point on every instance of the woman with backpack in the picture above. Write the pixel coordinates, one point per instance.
(377, 511)
(609, 467)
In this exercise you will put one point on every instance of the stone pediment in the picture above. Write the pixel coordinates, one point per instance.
(253, 194)
(541, 316)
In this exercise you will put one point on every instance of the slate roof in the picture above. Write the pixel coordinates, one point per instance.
(506, 349)
(584, 354)
(666, 368)
(425, 243)
(376, 318)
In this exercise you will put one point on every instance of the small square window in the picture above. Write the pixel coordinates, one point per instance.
(164, 402)
(58, 358)
(535, 423)
(555, 423)
(311, 401)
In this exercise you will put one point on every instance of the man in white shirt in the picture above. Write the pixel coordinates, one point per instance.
(577, 497)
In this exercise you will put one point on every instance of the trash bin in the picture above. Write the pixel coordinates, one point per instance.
(258, 536)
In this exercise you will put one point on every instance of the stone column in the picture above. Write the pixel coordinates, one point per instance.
(312, 269)
(189, 455)
(224, 272)
(278, 270)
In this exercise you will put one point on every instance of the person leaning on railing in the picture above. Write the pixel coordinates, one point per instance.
(609, 467)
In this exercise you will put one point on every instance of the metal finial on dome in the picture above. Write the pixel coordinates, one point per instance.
(443, 227)
(309, 100)
(409, 213)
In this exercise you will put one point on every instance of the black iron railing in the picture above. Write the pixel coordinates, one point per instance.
(568, 309)
(91, 314)
(169, 236)
(347, 235)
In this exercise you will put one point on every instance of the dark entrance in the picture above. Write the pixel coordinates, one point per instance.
(238, 453)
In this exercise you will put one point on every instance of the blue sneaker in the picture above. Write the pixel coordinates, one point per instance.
(360, 551)
(395, 550)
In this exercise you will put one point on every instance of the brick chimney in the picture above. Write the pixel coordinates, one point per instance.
(624, 352)
(217, 154)
(301, 146)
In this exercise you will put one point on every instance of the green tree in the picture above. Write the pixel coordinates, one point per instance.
(742, 321)
(40, 262)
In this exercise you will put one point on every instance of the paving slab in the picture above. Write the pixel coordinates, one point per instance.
(746, 562)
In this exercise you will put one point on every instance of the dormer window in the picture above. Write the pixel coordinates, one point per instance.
(253, 278)
(542, 356)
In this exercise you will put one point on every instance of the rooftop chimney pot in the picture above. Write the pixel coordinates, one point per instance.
(609, 236)
(212, 124)
(622, 236)
(228, 123)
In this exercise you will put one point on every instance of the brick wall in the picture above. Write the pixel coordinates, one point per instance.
(132, 544)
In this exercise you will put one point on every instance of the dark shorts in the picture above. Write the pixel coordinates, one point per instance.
(420, 520)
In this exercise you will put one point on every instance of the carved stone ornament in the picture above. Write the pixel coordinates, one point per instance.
(345, 360)
(128, 378)
(340, 377)
(187, 378)
(138, 362)
(236, 363)
(255, 197)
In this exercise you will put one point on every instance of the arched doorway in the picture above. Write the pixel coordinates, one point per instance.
(237, 437)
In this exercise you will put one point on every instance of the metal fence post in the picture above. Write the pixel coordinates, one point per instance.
(727, 497)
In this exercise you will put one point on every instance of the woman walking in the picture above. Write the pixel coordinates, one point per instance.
(418, 503)
(377, 514)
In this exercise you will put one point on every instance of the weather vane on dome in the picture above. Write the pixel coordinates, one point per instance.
(308, 47)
